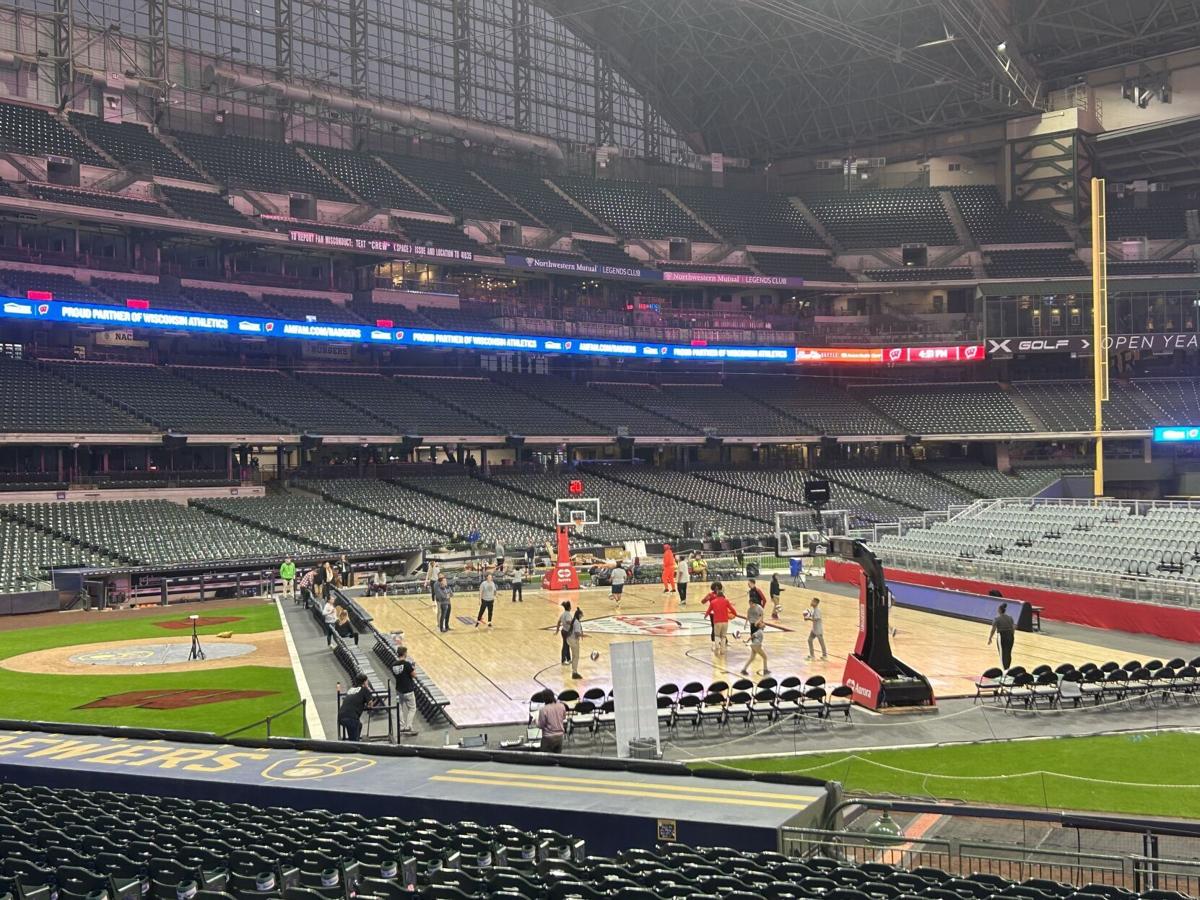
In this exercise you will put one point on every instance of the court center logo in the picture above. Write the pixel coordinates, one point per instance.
(312, 768)
(678, 624)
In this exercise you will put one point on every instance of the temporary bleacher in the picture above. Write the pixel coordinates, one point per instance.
(633, 208)
(885, 218)
(37, 132)
(248, 162)
(132, 144)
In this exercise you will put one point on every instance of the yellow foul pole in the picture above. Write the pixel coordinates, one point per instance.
(1099, 324)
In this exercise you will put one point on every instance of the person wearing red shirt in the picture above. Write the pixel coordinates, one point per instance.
(721, 611)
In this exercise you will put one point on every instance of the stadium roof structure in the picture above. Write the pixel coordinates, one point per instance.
(767, 79)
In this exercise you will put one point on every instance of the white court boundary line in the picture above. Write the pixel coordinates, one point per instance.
(316, 730)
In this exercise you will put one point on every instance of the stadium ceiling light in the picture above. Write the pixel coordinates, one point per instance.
(1002, 47)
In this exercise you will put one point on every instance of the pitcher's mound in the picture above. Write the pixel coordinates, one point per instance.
(157, 654)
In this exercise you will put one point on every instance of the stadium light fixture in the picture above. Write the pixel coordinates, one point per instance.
(1002, 47)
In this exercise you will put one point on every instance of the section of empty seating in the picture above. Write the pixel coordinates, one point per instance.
(399, 316)
(633, 208)
(36, 132)
(909, 487)
(456, 189)
(372, 181)
(1042, 263)
(608, 254)
(159, 296)
(442, 517)
(1110, 683)
(991, 221)
(1152, 267)
(253, 163)
(96, 199)
(810, 266)
(919, 273)
(827, 408)
(747, 217)
(29, 554)
(786, 488)
(231, 849)
(131, 144)
(318, 522)
(427, 233)
(704, 267)
(607, 410)
(234, 303)
(154, 532)
(517, 520)
(303, 306)
(20, 282)
(293, 402)
(885, 218)
(726, 411)
(951, 409)
(703, 493)
(398, 402)
(1158, 223)
(570, 256)
(987, 481)
(530, 191)
(1108, 539)
(504, 408)
(203, 206)
(648, 512)
(37, 400)
(166, 400)
(1068, 405)
(1176, 401)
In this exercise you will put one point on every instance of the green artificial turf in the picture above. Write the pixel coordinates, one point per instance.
(1139, 773)
(57, 698)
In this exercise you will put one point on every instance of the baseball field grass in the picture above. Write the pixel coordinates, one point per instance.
(1140, 773)
(63, 697)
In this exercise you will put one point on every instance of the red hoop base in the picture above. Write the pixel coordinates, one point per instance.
(563, 576)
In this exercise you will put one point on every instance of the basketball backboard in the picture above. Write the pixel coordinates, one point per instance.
(576, 511)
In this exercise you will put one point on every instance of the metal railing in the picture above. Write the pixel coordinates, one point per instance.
(1015, 862)
(302, 705)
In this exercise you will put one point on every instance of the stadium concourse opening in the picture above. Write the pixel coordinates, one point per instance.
(507, 448)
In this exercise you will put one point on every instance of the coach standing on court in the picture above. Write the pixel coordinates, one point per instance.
(1004, 626)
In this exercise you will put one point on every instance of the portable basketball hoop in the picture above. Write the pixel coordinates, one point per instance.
(571, 514)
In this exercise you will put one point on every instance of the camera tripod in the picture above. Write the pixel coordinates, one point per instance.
(197, 652)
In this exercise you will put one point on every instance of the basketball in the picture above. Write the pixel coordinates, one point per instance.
(595, 655)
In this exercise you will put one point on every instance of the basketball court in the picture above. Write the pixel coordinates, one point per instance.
(490, 674)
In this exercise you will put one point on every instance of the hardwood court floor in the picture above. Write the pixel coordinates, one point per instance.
(489, 674)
